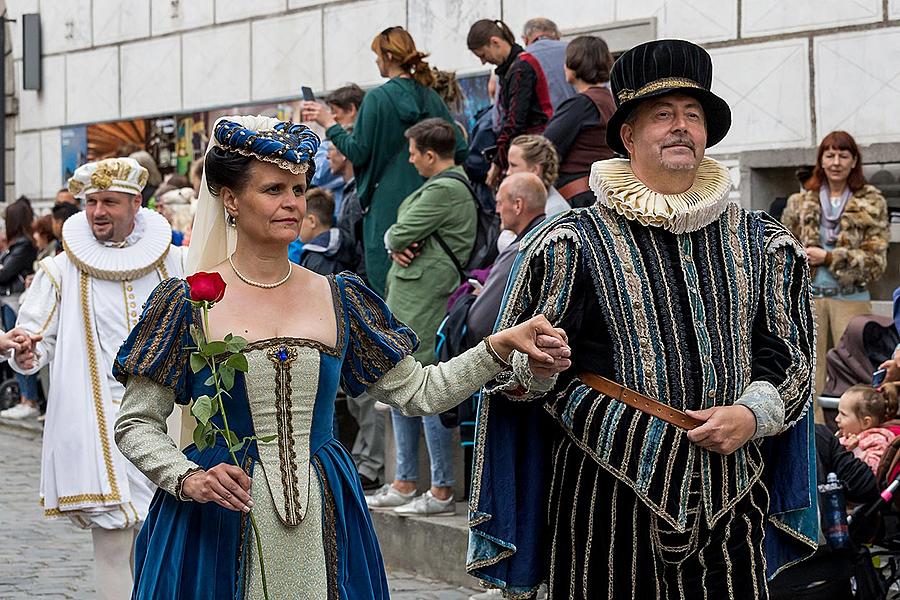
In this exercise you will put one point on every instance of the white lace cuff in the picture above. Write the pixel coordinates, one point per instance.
(763, 399)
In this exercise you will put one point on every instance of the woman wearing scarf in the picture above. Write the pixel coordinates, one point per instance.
(842, 222)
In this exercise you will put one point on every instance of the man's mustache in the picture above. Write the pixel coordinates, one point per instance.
(679, 141)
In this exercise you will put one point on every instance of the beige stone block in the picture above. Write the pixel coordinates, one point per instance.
(92, 85)
(151, 77)
(287, 53)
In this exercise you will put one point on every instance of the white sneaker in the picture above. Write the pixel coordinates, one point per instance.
(427, 505)
(20, 411)
(388, 497)
(487, 595)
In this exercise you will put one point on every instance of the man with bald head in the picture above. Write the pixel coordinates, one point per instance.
(520, 203)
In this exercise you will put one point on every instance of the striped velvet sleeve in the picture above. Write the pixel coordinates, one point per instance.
(541, 282)
(784, 329)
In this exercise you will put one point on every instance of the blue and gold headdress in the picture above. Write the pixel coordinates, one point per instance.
(290, 146)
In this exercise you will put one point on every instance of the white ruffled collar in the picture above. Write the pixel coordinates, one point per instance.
(618, 188)
(141, 252)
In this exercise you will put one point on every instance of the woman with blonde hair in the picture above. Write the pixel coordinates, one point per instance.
(536, 154)
(377, 148)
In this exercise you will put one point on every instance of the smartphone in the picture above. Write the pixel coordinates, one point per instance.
(489, 153)
(475, 284)
(307, 94)
(878, 377)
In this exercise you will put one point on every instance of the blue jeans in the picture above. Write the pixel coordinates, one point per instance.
(440, 448)
(28, 384)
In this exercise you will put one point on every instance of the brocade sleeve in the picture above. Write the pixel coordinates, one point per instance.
(427, 390)
(158, 346)
(377, 341)
(142, 438)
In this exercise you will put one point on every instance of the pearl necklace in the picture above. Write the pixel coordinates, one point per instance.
(266, 286)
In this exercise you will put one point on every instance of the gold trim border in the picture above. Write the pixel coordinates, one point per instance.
(626, 94)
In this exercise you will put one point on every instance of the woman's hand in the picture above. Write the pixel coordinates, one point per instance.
(546, 346)
(318, 112)
(816, 255)
(226, 485)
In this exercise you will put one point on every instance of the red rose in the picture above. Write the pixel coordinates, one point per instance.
(206, 287)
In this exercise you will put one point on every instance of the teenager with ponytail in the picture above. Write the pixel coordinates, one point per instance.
(377, 147)
(524, 98)
(866, 421)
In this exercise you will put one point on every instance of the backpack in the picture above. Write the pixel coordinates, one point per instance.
(451, 341)
(487, 230)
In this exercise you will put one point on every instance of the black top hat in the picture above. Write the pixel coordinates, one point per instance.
(662, 67)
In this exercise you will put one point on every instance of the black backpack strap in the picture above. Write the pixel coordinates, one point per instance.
(437, 237)
(459, 268)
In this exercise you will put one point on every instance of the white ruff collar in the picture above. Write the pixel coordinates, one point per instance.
(133, 261)
(617, 188)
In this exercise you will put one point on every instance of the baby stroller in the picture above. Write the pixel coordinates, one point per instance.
(9, 387)
(870, 568)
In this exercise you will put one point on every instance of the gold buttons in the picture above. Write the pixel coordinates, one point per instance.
(711, 393)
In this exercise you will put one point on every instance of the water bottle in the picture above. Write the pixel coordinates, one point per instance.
(834, 513)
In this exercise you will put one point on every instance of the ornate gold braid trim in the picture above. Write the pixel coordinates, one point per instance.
(329, 532)
(286, 450)
(130, 274)
(667, 82)
(98, 396)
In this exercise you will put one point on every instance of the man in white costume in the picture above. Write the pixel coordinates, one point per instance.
(84, 302)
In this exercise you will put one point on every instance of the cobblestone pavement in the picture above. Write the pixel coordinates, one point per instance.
(52, 560)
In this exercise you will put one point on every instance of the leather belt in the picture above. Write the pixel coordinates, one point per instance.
(574, 187)
(639, 401)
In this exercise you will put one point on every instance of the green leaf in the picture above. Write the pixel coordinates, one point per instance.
(228, 338)
(238, 362)
(213, 348)
(197, 335)
(231, 437)
(200, 436)
(236, 447)
(236, 344)
(204, 408)
(198, 362)
(227, 375)
(210, 381)
(265, 439)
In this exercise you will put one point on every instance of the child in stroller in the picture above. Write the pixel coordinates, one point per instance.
(864, 420)
(870, 570)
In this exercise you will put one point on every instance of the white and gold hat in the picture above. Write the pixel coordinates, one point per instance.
(109, 175)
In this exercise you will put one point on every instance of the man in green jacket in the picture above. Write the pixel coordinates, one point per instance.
(420, 280)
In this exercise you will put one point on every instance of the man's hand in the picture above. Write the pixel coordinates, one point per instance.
(19, 340)
(726, 428)
(816, 255)
(405, 257)
(224, 484)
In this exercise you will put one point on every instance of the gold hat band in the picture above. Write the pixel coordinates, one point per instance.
(668, 82)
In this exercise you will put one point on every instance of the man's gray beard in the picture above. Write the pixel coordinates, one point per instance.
(678, 166)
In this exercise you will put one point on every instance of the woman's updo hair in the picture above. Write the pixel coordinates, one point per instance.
(588, 57)
(878, 403)
(397, 41)
(481, 32)
(225, 168)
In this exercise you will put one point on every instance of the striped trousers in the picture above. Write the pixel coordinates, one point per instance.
(607, 544)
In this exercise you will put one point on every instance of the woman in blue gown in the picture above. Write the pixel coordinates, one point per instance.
(311, 334)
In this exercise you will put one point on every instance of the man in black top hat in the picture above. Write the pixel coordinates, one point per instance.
(673, 459)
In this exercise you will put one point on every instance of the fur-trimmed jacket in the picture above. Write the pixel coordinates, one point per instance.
(860, 253)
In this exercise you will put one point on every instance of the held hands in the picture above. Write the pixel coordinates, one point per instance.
(547, 347)
(726, 428)
(22, 343)
(316, 112)
(224, 484)
(816, 255)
